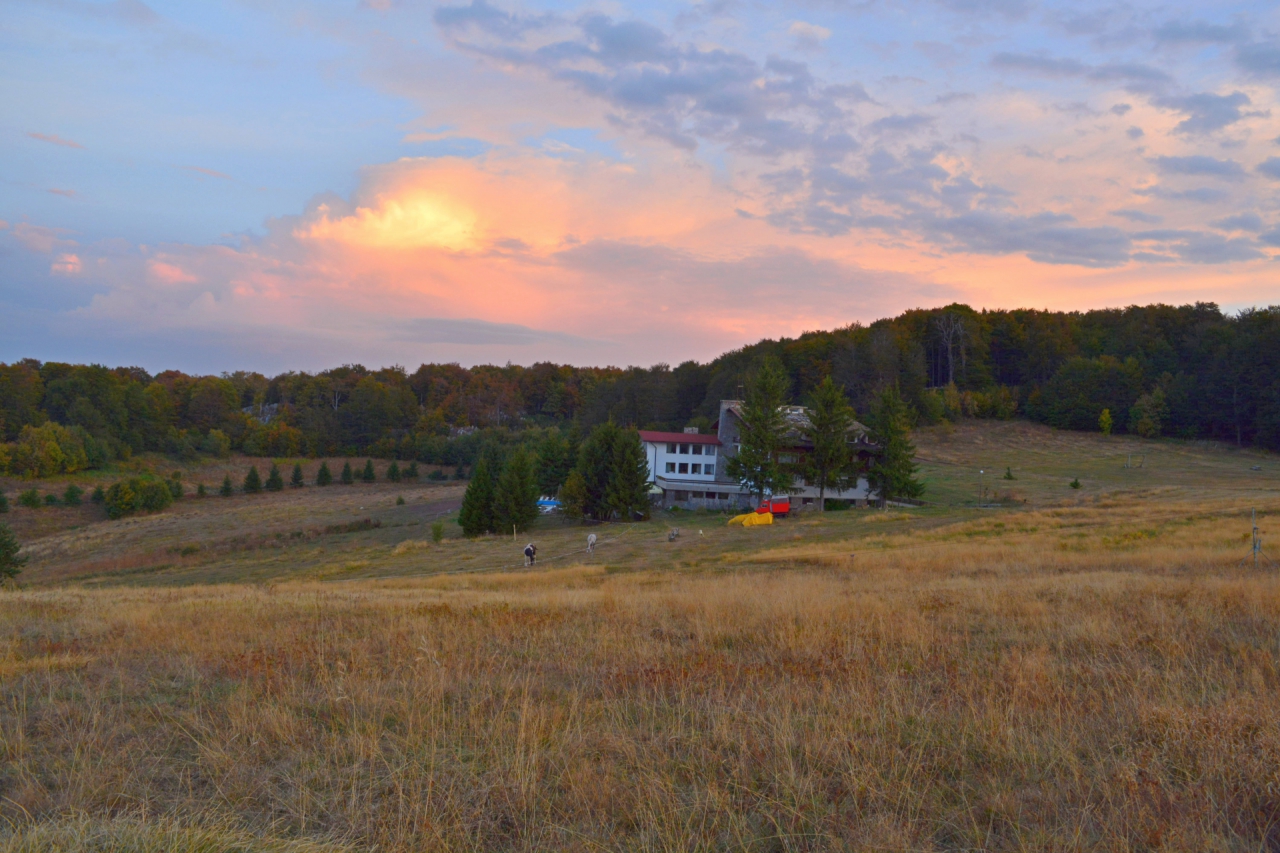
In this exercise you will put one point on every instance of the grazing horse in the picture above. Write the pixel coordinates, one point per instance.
(530, 554)
(591, 543)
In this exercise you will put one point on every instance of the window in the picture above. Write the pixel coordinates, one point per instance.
(695, 469)
(684, 450)
(697, 450)
(788, 458)
(684, 468)
(671, 467)
(696, 495)
(710, 451)
(724, 496)
(680, 496)
(709, 470)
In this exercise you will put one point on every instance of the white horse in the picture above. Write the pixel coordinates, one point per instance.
(591, 543)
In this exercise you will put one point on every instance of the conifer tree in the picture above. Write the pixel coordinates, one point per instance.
(227, 488)
(368, 474)
(347, 477)
(763, 434)
(595, 464)
(554, 462)
(893, 472)
(275, 482)
(628, 491)
(411, 472)
(252, 481)
(10, 563)
(573, 495)
(296, 480)
(832, 463)
(4, 502)
(515, 496)
(393, 472)
(476, 515)
(324, 476)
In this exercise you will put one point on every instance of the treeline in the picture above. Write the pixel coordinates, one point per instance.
(1186, 371)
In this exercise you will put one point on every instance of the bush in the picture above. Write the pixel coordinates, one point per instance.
(51, 500)
(99, 494)
(30, 499)
(1075, 484)
(368, 474)
(437, 531)
(275, 482)
(399, 500)
(72, 496)
(252, 481)
(437, 475)
(10, 563)
(137, 495)
(4, 502)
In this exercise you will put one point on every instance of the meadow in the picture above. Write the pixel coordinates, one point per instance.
(1027, 667)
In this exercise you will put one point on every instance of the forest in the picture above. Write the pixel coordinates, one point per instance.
(1189, 371)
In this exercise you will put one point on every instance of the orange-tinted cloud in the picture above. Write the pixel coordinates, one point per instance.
(54, 139)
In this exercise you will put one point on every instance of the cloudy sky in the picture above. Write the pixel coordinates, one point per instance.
(280, 185)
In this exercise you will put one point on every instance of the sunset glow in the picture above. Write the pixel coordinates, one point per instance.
(657, 182)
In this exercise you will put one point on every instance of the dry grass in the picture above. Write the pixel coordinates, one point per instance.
(1094, 672)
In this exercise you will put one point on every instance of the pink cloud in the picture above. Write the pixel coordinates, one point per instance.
(54, 139)
(66, 264)
(39, 238)
(64, 193)
(167, 273)
(208, 172)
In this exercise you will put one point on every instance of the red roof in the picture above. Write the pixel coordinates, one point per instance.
(677, 437)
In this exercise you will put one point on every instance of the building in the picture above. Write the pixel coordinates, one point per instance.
(688, 468)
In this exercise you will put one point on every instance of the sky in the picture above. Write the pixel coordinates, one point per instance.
(277, 185)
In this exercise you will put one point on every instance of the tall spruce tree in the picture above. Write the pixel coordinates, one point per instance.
(252, 481)
(554, 463)
(368, 474)
(393, 472)
(595, 464)
(832, 463)
(275, 482)
(892, 474)
(10, 563)
(347, 478)
(515, 496)
(296, 479)
(226, 489)
(476, 515)
(763, 434)
(628, 491)
(324, 476)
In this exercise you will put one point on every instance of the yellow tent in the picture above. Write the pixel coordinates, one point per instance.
(752, 519)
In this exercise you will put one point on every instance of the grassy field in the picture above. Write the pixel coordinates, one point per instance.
(1062, 669)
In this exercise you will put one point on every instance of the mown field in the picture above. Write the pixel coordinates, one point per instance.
(1060, 669)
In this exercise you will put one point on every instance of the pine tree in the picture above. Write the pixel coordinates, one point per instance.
(253, 481)
(4, 503)
(227, 488)
(201, 491)
(347, 477)
(296, 480)
(10, 563)
(393, 472)
(893, 472)
(476, 515)
(411, 472)
(275, 482)
(573, 495)
(763, 434)
(368, 474)
(832, 464)
(629, 483)
(515, 496)
(595, 464)
(553, 462)
(324, 477)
